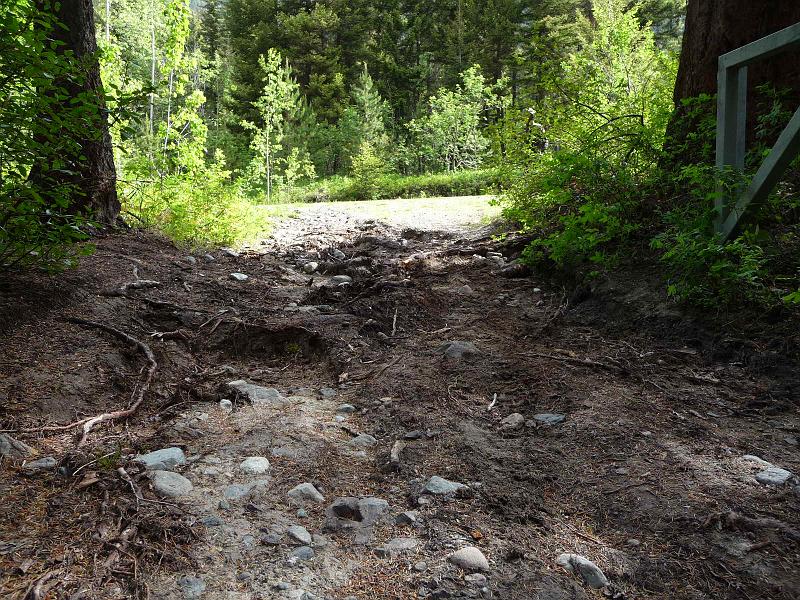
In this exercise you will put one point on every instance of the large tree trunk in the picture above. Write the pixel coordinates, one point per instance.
(714, 27)
(95, 178)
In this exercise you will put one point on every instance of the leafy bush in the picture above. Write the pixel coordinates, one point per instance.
(200, 208)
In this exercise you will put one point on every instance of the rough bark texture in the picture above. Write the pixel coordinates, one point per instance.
(96, 176)
(714, 27)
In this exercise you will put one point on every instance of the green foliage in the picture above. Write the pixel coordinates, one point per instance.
(450, 136)
(199, 208)
(585, 196)
(367, 169)
(38, 223)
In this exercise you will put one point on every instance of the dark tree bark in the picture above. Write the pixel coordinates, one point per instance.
(95, 177)
(714, 27)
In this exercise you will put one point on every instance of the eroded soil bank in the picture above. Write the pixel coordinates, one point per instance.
(604, 423)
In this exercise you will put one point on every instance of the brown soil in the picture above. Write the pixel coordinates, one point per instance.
(643, 477)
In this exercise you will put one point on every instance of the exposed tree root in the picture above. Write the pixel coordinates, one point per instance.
(138, 396)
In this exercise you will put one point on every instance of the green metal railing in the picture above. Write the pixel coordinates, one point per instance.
(731, 133)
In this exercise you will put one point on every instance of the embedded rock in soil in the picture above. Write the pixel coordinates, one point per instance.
(457, 350)
(410, 517)
(310, 267)
(338, 280)
(43, 464)
(239, 277)
(773, 476)
(226, 405)
(300, 534)
(586, 569)
(513, 421)
(238, 491)
(11, 448)
(306, 491)
(302, 553)
(255, 393)
(549, 418)
(364, 440)
(255, 465)
(438, 486)
(171, 485)
(469, 559)
(230, 253)
(396, 546)
(356, 514)
(165, 459)
(346, 409)
(192, 587)
(476, 578)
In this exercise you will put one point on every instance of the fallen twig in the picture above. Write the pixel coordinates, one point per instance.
(580, 361)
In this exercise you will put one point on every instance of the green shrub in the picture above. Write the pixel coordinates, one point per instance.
(200, 209)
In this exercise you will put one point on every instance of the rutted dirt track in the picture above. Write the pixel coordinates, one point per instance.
(425, 362)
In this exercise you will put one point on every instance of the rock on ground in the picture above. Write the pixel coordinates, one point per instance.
(469, 559)
(192, 587)
(255, 465)
(549, 418)
(43, 464)
(12, 448)
(306, 491)
(513, 421)
(300, 534)
(458, 350)
(438, 486)
(165, 459)
(171, 485)
(586, 569)
(396, 546)
(773, 476)
(255, 393)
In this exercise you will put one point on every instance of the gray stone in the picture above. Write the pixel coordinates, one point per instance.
(271, 539)
(230, 252)
(421, 566)
(328, 393)
(237, 491)
(190, 259)
(356, 514)
(469, 559)
(410, 517)
(346, 409)
(513, 421)
(281, 586)
(165, 459)
(300, 534)
(549, 418)
(43, 464)
(476, 578)
(339, 419)
(209, 257)
(169, 484)
(302, 513)
(457, 350)
(396, 546)
(439, 486)
(226, 405)
(586, 569)
(248, 541)
(12, 448)
(338, 280)
(306, 492)
(310, 267)
(302, 553)
(244, 576)
(255, 465)
(364, 440)
(773, 476)
(255, 393)
(224, 505)
(239, 277)
(192, 587)
(212, 521)
(414, 435)
(464, 290)
(337, 254)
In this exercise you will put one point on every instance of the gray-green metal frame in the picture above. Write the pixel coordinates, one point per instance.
(731, 133)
